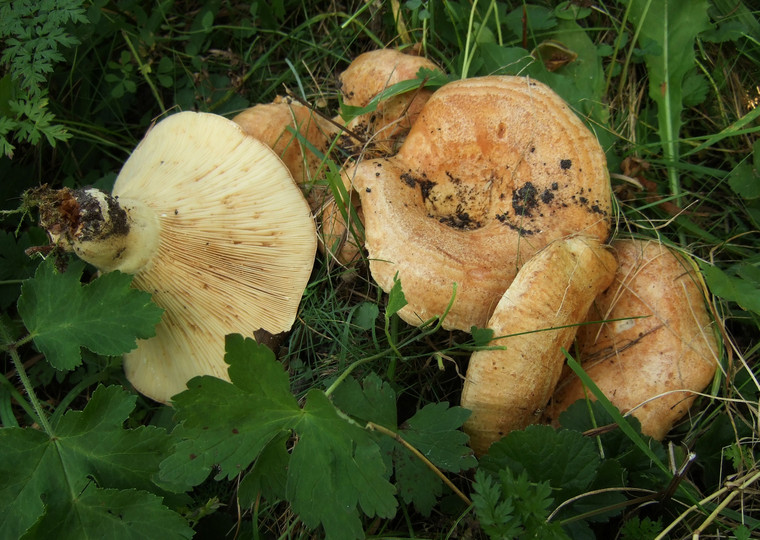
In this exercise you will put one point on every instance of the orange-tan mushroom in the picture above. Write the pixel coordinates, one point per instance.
(493, 170)
(657, 348)
(507, 389)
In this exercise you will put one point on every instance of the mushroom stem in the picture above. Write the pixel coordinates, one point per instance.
(108, 233)
(506, 389)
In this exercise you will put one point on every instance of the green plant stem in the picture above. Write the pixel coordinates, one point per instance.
(19, 365)
(399, 439)
(144, 70)
(467, 53)
(342, 377)
(391, 332)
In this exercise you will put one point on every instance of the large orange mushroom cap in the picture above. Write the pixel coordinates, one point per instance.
(493, 170)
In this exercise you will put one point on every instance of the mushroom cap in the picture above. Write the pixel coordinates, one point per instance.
(372, 72)
(493, 169)
(235, 251)
(365, 78)
(659, 341)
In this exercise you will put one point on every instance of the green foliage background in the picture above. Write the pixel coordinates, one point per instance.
(350, 430)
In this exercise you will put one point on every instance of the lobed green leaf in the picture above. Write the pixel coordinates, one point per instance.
(70, 481)
(106, 316)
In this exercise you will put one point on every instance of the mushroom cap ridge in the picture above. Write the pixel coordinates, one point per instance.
(494, 169)
(236, 248)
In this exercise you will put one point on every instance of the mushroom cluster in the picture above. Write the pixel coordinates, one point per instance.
(493, 170)
(499, 199)
(648, 342)
(488, 199)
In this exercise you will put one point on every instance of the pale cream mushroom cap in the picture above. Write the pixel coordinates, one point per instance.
(493, 169)
(658, 348)
(235, 250)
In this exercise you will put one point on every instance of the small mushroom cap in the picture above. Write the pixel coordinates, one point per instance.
(236, 247)
(493, 169)
(659, 341)
(365, 78)
(372, 72)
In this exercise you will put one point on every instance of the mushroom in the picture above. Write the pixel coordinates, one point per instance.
(657, 348)
(210, 222)
(494, 169)
(506, 389)
(365, 78)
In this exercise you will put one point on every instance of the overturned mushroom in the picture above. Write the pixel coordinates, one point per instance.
(494, 169)
(657, 348)
(211, 224)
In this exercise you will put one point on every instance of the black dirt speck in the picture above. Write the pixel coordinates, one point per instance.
(525, 199)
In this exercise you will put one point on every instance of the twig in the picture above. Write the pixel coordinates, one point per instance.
(398, 438)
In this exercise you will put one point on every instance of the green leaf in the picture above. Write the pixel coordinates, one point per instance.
(515, 508)
(673, 26)
(640, 529)
(564, 458)
(335, 468)
(396, 298)
(113, 514)
(106, 316)
(496, 516)
(371, 401)
(269, 475)
(732, 288)
(337, 458)
(365, 315)
(481, 336)
(68, 481)
(434, 431)
(745, 178)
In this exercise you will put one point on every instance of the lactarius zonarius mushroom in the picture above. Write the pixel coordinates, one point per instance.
(657, 348)
(534, 320)
(494, 169)
(210, 222)
(366, 77)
